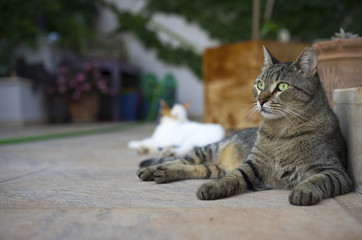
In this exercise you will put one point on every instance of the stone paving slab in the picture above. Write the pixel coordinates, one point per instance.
(87, 188)
(177, 223)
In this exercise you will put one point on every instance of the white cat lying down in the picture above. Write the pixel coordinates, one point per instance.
(176, 135)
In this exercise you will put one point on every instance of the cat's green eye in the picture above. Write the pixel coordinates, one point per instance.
(282, 86)
(260, 85)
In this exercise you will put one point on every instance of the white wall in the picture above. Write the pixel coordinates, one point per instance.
(19, 104)
(190, 88)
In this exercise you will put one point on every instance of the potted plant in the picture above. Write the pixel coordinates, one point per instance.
(81, 87)
(339, 62)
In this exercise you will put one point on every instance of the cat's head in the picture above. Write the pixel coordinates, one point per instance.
(282, 89)
(178, 112)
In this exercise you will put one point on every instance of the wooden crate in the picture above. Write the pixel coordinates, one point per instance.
(229, 74)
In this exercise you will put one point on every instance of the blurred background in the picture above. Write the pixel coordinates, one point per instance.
(112, 60)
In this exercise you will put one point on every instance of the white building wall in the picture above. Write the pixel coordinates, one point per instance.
(19, 103)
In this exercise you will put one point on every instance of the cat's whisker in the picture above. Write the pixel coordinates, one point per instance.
(296, 109)
(293, 115)
(284, 115)
(299, 111)
(248, 103)
(248, 108)
(248, 113)
(305, 122)
(251, 114)
(298, 116)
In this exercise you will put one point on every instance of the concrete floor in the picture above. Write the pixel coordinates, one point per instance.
(86, 188)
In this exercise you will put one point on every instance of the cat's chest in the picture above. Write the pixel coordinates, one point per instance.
(279, 152)
(285, 176)
(284, 161)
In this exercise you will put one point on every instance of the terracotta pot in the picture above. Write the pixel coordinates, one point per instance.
(339, 64)
(85, 109)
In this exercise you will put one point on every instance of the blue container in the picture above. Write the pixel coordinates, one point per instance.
(128, 106)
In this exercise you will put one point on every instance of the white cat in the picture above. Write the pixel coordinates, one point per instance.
(176, 135)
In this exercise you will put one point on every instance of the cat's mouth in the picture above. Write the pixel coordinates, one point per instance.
(267, 113)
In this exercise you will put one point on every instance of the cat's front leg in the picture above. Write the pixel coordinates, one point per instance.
(245, 177)
(329, 183)
(220, 188)
(147, 173)
(149, 167)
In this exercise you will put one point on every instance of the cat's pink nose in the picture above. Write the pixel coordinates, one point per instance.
(262, 101)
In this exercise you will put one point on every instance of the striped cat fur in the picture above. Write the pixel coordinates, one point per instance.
(298, 145)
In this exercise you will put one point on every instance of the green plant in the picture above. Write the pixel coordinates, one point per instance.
(137, 23)
(343, 34)
(230, 21)
(26, 21)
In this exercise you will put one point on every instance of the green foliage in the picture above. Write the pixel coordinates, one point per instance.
(26, 21)
(310, 20)
(230, 21)
(137, 23)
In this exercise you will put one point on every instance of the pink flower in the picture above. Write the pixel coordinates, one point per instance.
(80, 77)
(62, 89)
(61, 79)
(87, 66)
(64, 69)
(73, 84)
(97, 74)
(87, 87)
(95, 63)
(101, 85)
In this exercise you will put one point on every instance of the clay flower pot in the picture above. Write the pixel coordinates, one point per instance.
(339, 64)
(85, 109)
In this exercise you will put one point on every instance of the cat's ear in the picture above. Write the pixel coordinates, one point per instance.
(187, 105)
(307, 62)
(269, 59)
(164, 104)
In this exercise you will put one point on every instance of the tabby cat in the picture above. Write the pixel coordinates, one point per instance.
(298, 145)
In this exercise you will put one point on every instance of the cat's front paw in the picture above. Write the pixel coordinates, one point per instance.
(211, 191)
(303, 196)
(163, 175)
(146, 174)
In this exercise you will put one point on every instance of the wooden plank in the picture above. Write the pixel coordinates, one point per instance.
(229, 74)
